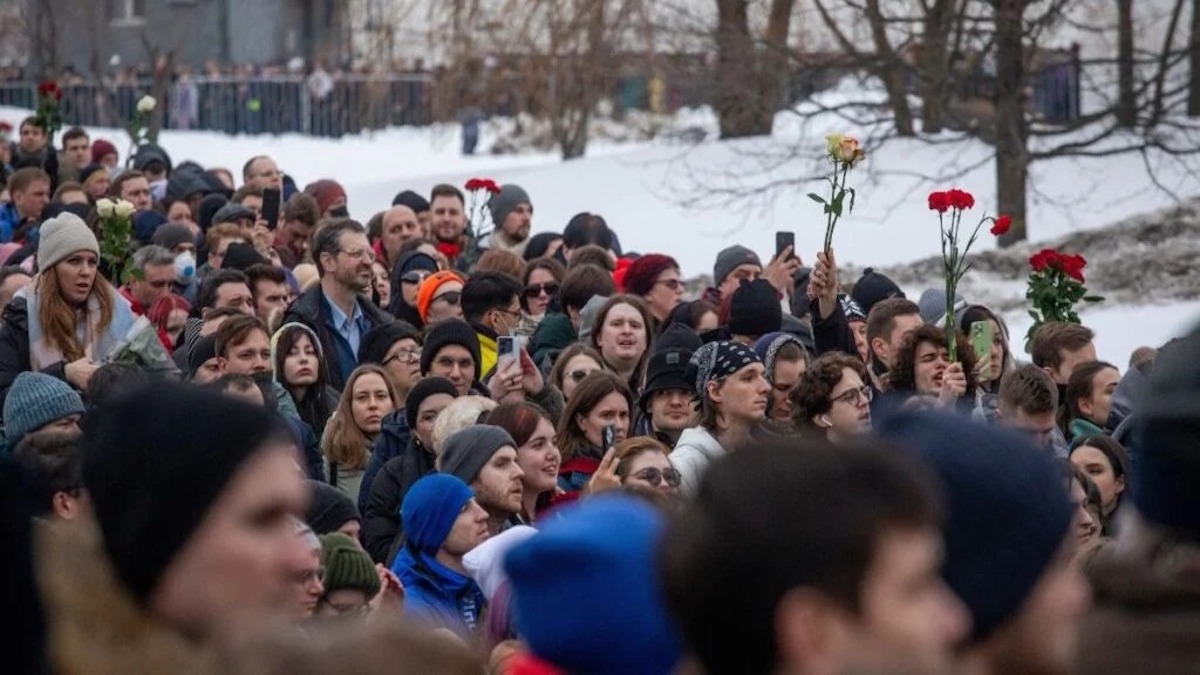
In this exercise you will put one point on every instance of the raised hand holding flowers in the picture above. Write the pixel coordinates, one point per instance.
(844, 151)
(1056, 287)
(481, 190)
(956, 202)
(139, 126)
(48, 115)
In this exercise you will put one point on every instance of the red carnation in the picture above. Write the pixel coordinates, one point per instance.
(482, 184)
(1043, 259)
(1001, 226)
(961, 199)
(939, 201)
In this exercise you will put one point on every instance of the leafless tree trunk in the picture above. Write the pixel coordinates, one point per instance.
(735, 102)
(934, 75)
(1193, 106)
(892, 70)
(1012, 161)
(1126, 99)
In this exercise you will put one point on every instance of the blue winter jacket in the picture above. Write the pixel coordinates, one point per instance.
(438, 596)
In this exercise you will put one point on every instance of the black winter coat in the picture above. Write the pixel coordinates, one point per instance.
(14, 347)
(310, 309)
(381, 518)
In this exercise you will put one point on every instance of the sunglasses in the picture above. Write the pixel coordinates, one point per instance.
(534, 290)
(656, 476)
(451, 298)
(414, 277)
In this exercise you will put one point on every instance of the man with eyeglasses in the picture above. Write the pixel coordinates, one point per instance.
(157, 274)
(335, 309)
(834, 399)
(491, 303)
(309, 575)
(1028, 402)
(397, 347)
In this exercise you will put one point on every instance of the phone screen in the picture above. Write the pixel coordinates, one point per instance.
(610, 436)
(507, 349)
(270, 207)
(784, 240)
(981, 342)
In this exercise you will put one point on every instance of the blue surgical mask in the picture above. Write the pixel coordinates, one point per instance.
(185, 267)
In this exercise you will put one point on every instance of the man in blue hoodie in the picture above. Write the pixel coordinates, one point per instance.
(442, 522)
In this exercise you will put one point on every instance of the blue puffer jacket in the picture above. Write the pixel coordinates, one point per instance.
(438, 596)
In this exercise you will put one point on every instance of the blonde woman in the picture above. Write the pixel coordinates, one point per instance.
(369, 396)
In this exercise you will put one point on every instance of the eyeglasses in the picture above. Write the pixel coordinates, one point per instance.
(673, 284)
(359, 254)
(405, 355)
(306, 577)
(534, 290)
(451, 297)
(414, 277)
(512, 313)
(655, 476)
(851, 396)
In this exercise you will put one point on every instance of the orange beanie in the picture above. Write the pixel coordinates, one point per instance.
(429, 289)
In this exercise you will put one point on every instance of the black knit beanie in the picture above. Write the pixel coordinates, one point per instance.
(450, 332)
(155, 461)
(422, 390)
(754, 309)
(329, 509)
(375, 343)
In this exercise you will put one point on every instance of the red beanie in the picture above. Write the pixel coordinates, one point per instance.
(101, 149)
(641, 275)
(326, 192)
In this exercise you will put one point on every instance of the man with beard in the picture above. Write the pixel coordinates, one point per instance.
(335, 309)
(485, 458)
(449, 227)
(512, 215)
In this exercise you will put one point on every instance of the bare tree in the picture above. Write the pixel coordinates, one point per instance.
(1127, 99)
(1194, 62)
(750, 71)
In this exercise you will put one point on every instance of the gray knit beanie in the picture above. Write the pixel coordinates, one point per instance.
(465, 453)
(502, 203)
(61, 236)
(35, 400)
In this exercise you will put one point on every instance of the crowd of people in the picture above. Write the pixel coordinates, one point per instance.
(423, 444)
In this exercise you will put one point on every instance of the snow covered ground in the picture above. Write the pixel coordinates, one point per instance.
(641, 189)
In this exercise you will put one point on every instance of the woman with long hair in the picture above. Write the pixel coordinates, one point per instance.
(69, 318)
(299, 365)
(368, 397)
(572, 365)
(601, 400)
(537, 455)
(541, 281)
(623, 334)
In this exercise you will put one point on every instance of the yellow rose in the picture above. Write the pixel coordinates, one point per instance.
(832, 144)
(104, 207)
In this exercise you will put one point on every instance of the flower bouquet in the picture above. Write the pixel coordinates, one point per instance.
(1056, 287)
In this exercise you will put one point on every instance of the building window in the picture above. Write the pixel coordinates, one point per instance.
(127, 12)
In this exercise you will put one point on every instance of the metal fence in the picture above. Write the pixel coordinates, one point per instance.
(272, 105)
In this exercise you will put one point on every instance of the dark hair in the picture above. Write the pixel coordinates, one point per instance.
(55, 460)
(72, 134)
(689, 314)
(207, 295)
(314, 406)
(1091, 493)
(235, 382)
(114, 379)
(811, 396)
(486, 291)
(236, 330)
(375, 227)
(570, 439)
(587, 228)
(583, 283)
(1028, 389)
(1118, 456)
(976, 313)
(765, 521)
(1052, 338)
(303, 208)
(881, 321)
(118, 183)
(590, 255)
(520, 419)
(263, 272)
(904, 376)
(552, 266)
(328, 238)
(446, 190)
(558, 372)
(1080, 385)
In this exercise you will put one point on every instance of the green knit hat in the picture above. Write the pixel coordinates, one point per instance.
(347, 566)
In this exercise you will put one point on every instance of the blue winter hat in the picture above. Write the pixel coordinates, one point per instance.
(1008, 512)
(575, 561)
(146, 223)
(430, 509)
(35, 400)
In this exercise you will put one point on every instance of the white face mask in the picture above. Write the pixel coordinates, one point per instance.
(185, 267)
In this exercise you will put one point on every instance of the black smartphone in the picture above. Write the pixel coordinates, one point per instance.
(784, 240)
(339, 212)
(610, 437)
(270, 207)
